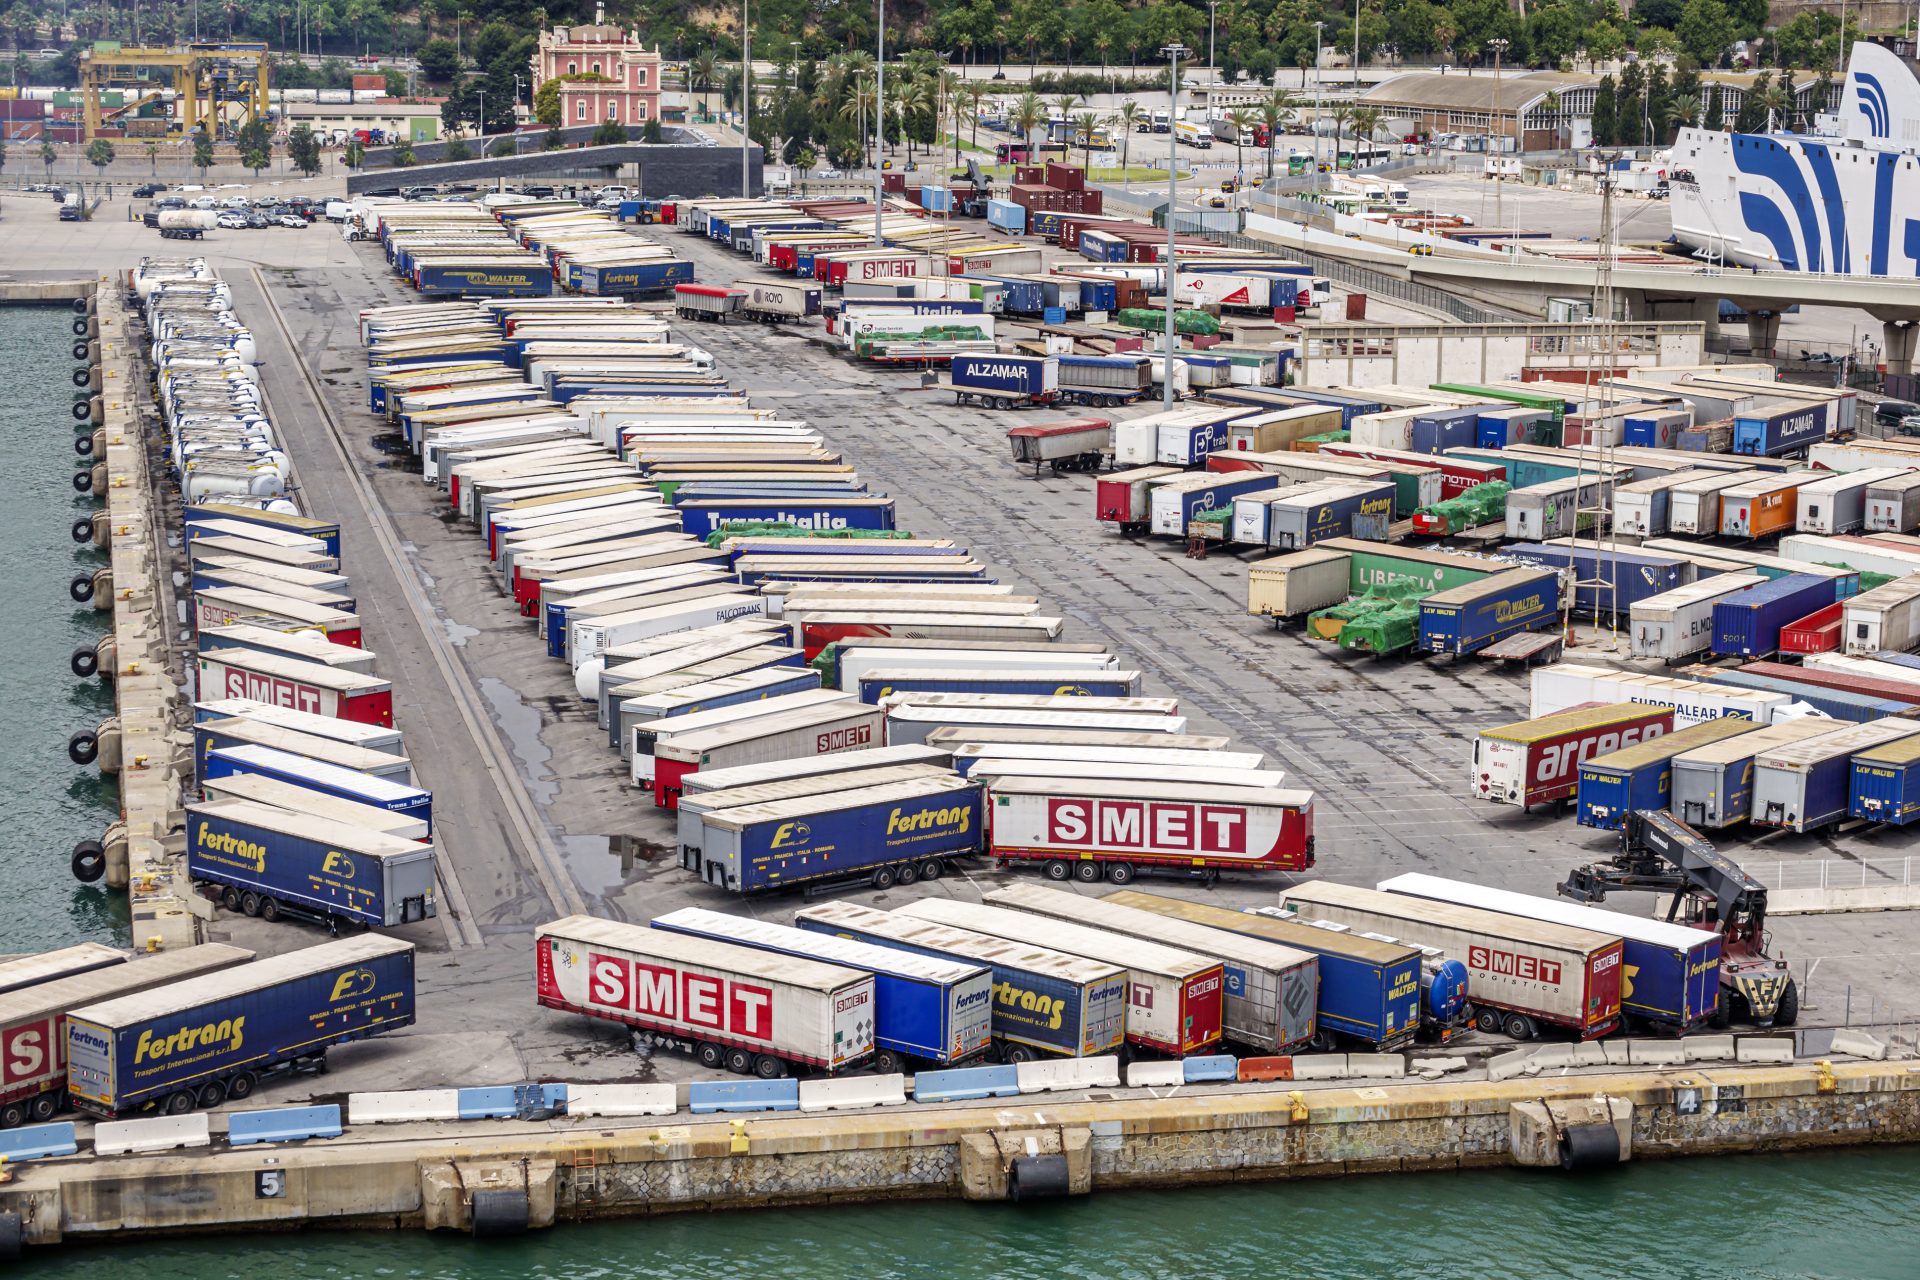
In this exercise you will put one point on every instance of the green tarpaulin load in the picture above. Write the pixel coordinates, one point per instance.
(1482, 504)
(1189, 322)
(1384, 620)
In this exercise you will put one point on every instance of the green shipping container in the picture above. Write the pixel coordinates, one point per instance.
(1370, 570)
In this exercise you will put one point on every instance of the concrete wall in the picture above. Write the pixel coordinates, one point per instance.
(665, 169)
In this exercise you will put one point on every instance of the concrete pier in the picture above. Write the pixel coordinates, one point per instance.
(426, 1176)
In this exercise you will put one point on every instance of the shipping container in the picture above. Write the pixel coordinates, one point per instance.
(1087, 828)
(1678, 623)
(748, 1011)
(307, 740)
(1806, 785)
(1607, 580)
(1672, 976)
(1818, 632)
(1712, 785)
(1035, 377)
(691, 813)
(1523, 974)
(1887, 617)
(1466, 619)
(1537, 761)
(1837, 504)
(395, 795)
(62, 962)
(1837, 704)
(264, 861)
(1177, 503)
(588, 638)
(1555, 508)
(1175, 997)
(1760, 506)
(1695, 506)
(1885, 786)
(928, 1011)
(989, 736)
(882, 682)
(775, 301)
(1368, 990)
(1643, 509)
(1046, 1003)
(1776, 427)
(301, 686)
(196, 1043)
(1747, 624)
(634, 705)
(33, 1019)
(1564, 686)
(1298, 583)
(1125, 497)
(845, 664)
(1439, 430)
(910, 723)
(1271, 990)
(1614, 785)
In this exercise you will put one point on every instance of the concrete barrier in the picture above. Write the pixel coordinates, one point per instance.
(403, 1105)
(1155, 1075)
(1858, 1044)
(1069, 1073)
(853, 1093)
(1589, 1053)
(1320, 1066)
(1832, 900)
(705, 1098)
(1438, 1066)
(1552, 1056)
(621, 1100)
(966, 1083)
(1764, 1049)
(1708, 1048)
(1616, 1052)
(502, 1101)
(140, 1137)
(1505, 1066)
(1266, 1069)
(1211, 1067)
(1379, 1066)
(1656, 1053)
(37, 1142)
(283, 1124)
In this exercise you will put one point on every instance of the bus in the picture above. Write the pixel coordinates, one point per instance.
(1360, 155)
(1022, 153)
(1299, 164)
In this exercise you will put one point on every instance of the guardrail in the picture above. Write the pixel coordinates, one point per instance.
(1829, 886)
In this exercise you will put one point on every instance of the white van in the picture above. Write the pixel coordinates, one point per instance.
(338, 211)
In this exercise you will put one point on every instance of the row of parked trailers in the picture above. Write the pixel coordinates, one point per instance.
(308, 810)
(514, 247)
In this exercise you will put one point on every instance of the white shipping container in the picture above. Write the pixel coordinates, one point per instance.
(1564, 686)
(964, 753)
(1837, 504)
(1878, 670)
(856, 660)
(1887, 617)
(586, 639)
(811, 731)
(647, 738)
(1679, 623)
(752, 775)
(1296, 584)
(1249, 522)
(912, 723)
(697, 993)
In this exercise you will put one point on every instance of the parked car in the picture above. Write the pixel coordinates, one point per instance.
(205, 202)
(148, 190)
(232, 220)
(257, 220)
(1889, 413)
(292, 220)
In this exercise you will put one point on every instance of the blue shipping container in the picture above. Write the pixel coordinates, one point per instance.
(1747, 623)
(1018, 296)
(1065, 685)
(392, 794)
(1446, 429)
(703, 518)
(250, 1019)
(1030, 1007)
(1780, 430)
(1005, 215)
(1631, 576)
(1656, 430)
(927, 1008)
(1886, 784)
(1468, 618)
(1098, 246)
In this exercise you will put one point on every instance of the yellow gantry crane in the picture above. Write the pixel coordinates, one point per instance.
(205, 79)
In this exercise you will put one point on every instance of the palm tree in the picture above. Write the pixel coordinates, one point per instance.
(1341, 112)
(913, 98)
(1366, 123)
(1685, 109)
(1776, 98)
(1242, 121)
(854, 104)
(700, 70)
(976, 92)
(946, 89)
(1027, 116)
(1276, 112)
(1129, 116)
(1084, 124)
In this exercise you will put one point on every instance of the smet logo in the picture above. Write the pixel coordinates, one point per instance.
(1205, 987)
(230, 845)
(955, 819)
(685, 996)
(1515, 964)
(1514, 610)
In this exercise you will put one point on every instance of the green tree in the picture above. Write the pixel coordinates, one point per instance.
(396, 82)
(303, 149)
(47, 156)
(3, 155)
(1242, 121)
(256, 159)
(100, 154)
(1606, 113)
(456, 150)
(1603, 43)
(403, 157)
(1125, 119)
(700, 72)
(1027, 115)
(1276, 112)
(439, 60)
(1753, 113)
(1716, 109)
(1630, 105)
(255, 136)
(1084, 125)
(153, 157)
(504, 145)
(355, 154)
(651, 132)
(611, 133)
(202, 152)
(553, 139)
(1705, 30)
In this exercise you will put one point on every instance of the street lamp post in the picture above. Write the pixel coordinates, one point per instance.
(1499, 46)
(1212, 75)
(1172, 52)
(879, 116)
(483, 120)
(1316, 104)
(746, 97)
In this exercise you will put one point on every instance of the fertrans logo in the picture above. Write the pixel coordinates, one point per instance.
(1136, 824)
(226, 1035)
(237, 848)
(956, 819)
(352, 984)
(789, 834)
(1046, 1011)
(337, 864)
(686, 996)
(1518, 965)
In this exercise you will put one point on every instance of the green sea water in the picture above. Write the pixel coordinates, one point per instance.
(52, 802)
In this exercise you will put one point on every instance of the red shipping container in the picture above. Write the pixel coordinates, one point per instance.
(893, 184)
(1818, 632)
(1844, 681)
(1066, 177)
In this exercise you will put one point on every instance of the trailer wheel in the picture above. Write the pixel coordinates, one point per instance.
(240, 1086)
(84, 661)
(883, 878)
(1487, 1020)
(230, 898)
(83, 747)
(250, 903)
(1520, 1027)
(89, 861)
(887, 1062)
(1788, 1011)
(768, 1067)
(1086, 872)
(932, 869)
(80, 587)
(12, 1116)
(211, 1095)
(1120, 872)
(269, 908)
(740, 1061)
(44, 1106)
(711, 1056)
(1021, 1053)
(906, 874)
(177, 1104)
(1057, 869)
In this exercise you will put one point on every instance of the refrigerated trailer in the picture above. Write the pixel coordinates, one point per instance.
(1523, 974)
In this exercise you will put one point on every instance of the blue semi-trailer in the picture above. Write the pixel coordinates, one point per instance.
(1468, 618)
(1747, 624)
(813, 515)
(394, 794)
(195, 1044)
(491, 280)
(1671, 973)
(1641, 776)
(929, 1011)
(270, 862)
(1046, 1004)
(1778, 428)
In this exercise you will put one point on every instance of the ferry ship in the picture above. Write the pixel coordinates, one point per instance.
(1842, 199)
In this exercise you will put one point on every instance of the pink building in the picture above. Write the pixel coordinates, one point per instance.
(631, 93)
